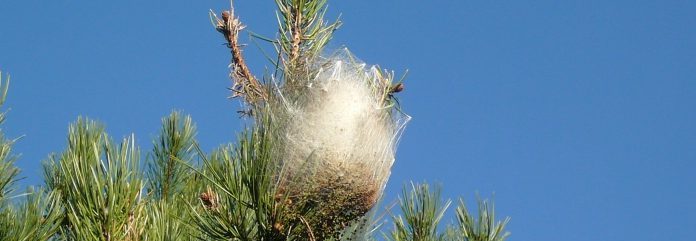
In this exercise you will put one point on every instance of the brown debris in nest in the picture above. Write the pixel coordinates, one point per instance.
(331, 199)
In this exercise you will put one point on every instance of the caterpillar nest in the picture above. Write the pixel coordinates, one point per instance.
(339, 131)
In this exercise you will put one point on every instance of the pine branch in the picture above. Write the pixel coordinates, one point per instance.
(167, 177)
(303, 34)
(8, 172)
(168, 221)
(240, 204)
(245, 83)
(37, 218)
(484, 228)
(100, 185)
(422, 211)
(4, 86)
(171, 183)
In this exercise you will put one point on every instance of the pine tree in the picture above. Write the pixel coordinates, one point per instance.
(310, 166)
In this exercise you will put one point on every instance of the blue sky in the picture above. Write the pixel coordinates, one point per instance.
(578, 116)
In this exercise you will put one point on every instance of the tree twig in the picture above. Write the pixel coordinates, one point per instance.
(296, 33)
(245, 84)
(309, 229)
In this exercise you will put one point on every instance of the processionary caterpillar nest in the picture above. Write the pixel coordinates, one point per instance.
(339, 134)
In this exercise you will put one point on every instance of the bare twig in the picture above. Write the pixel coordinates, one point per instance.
(245, 84)
(309, 229)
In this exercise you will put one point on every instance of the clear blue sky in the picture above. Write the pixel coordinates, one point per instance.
(580, 116)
